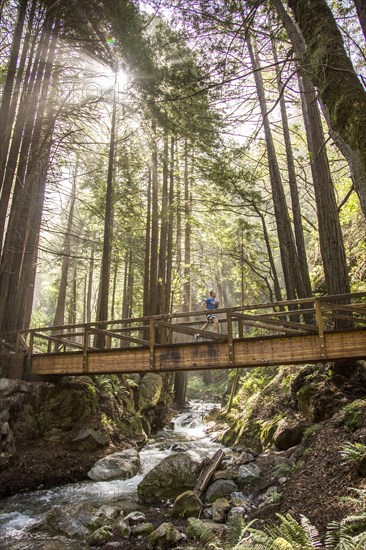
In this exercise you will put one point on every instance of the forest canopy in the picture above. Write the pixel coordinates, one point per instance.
(152, 150)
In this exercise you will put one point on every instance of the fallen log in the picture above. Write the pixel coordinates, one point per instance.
(207, 472)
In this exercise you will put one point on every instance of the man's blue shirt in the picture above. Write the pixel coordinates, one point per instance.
(210, 303)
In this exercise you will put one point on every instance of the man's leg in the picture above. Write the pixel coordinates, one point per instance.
(216, 325)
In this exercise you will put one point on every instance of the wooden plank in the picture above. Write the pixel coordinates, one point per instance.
(59, 340)
(251, 320)
(112, 334)
(188, 330)
(291, 324)
(344, 317)
(207, 472)
(353, 308)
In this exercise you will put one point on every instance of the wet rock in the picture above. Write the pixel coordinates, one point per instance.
(142, 530)
(220, 488)
(123, 528)
(106, 512)
(179, 448)
(207, 513)
(187, 505)
(134, 518)
(88, 439)
(74, 521)
(245, 457)
(249, 472)
(226, 474)
(175, 474)
(149, 391)
(101, 536)
(165, 536)
(219, 509)
(289, 433)
(121, 465)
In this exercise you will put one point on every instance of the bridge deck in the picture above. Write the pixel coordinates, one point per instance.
(254, 352)
(291, 332)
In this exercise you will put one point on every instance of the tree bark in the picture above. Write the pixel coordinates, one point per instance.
(103, 295)
(295, 202)
(361, 12)
(289, 258)
(328, 66)
(358, 172)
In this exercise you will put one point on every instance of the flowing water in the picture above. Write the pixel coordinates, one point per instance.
(19, 513)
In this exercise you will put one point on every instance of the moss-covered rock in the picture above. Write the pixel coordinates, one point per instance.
(149, 391)
(175, 474)
(187, 505)
(165, 536)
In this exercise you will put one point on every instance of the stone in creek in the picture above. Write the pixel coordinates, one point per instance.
(172, 476)
(134, 518)
(245, 457)
(149, 391)
(123, 528)
(249, 472)
(220, 488)
(187, 505)
(219, 509)
(107, 512)
(73, 520)
(121, 465)
(165, 536)
(101, 536)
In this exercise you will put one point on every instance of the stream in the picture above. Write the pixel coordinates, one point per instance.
(21, 512)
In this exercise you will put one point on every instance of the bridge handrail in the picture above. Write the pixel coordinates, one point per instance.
(199, 313)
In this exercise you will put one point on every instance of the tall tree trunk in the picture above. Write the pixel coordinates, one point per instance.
(7, 94)
(163, 233)
(187, 233)
(89, 295)
(146, 305)
(295, 202)
(358, 172)
(103, 295)
(169, 260)
(289, 258)
(154, 227)
(59, 318)
(328, 66)
(330, 234)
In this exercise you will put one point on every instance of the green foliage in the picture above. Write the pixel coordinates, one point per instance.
(309, 432)
(354, 453)
(282, 470)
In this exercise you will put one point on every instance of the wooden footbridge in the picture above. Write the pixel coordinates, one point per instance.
(311, 330)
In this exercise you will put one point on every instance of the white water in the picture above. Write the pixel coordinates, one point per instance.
(20, 512)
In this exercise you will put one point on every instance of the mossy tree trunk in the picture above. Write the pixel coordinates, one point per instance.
(326, 63)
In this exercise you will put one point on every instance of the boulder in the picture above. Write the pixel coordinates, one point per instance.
(101, 536)
(289, 433)
(226, 474)
(175, 474)
(123, 529)
(165, 536)
(245, 457)
(220, 488)
(249, 472)
(121, 465)
(187, 505)
(89, 439)
(219, 509)
(134, 518)
(197, 526)
(149, 391)
(237, 511)
(8, 386)
(75, 521)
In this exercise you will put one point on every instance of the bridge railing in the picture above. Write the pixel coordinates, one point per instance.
(315, 315)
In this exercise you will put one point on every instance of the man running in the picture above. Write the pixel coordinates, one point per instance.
(210, 304)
